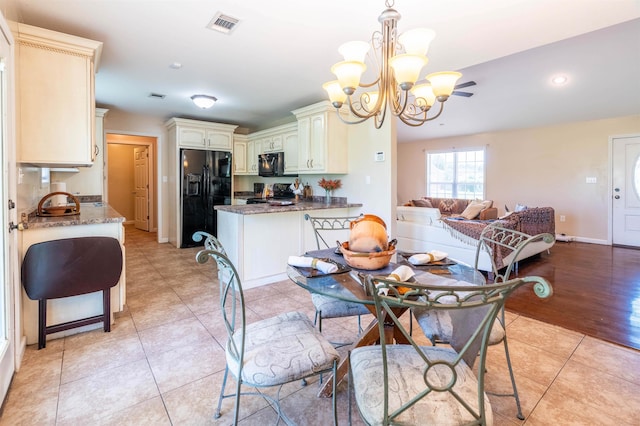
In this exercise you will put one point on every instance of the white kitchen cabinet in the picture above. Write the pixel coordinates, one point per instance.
(55, 97)
(290, 147)
(254, 149)
(240, 154)
(272, 143)
(202, 134)
(282, 138)
(260, 261)
(322, 140)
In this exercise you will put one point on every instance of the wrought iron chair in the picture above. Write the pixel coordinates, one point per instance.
(505, 247)
(329, 307)
(270, 352)
(210, 242)
(413, 384)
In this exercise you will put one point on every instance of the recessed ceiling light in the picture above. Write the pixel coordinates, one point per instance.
(559, 80)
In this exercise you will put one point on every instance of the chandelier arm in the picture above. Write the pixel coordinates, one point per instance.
(354, 111)
(362, 120)
(415, 122)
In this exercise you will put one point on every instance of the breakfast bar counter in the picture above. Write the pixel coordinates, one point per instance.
(278, 206)
(259, 238)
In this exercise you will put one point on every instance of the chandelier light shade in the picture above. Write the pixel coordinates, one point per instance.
(203, 101)
(400, 59)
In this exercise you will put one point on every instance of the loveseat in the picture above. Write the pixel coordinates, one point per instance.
(422, 229)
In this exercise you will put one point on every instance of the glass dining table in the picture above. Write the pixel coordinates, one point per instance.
(348, 284)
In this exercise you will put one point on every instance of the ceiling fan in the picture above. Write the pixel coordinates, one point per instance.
(462, 86)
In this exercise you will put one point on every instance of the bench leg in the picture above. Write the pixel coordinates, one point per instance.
(42, 323)
(106, 309)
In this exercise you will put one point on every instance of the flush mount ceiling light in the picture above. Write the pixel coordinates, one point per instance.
(203, 101)
(559, 80)
(399, 59)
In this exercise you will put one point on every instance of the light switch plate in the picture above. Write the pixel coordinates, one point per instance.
(378, 156)
(592, 179)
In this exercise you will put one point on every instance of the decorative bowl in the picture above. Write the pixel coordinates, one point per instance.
(368, 261)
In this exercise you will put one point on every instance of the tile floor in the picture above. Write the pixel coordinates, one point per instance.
(163, 361)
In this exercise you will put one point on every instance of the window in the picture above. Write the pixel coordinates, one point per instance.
(456, 174)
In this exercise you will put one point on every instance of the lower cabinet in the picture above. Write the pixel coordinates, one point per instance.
(259, 245)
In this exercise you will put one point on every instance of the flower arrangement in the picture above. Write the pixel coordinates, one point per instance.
(329, 184)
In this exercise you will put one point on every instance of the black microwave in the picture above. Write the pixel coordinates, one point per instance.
(271, 165)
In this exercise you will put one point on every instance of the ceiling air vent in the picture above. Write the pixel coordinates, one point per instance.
(223, 23)
(156, 96)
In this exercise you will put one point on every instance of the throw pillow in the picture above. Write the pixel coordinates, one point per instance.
(520, 207)
(474, 208)
(421, 203)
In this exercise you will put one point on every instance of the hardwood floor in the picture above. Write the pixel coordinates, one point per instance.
(596, 291)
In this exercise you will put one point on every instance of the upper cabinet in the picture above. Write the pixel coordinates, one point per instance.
(202, 134)
(322, 140)
(282, 138)
(240, 154)
(55, 97)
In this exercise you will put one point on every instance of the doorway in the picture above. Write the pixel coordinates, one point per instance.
(131, 177)
(625, 198)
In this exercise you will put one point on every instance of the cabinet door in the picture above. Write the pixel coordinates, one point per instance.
(252, 157)
(317, 142)
(220, 141)
(56, 114)
(304, 155)
(192, 137)
(239, 158)
(290, 146)
(272, 144)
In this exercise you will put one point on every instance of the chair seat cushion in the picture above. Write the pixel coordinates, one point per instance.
(437, 326)
(330, 307)
(281, 349)
(406, 369)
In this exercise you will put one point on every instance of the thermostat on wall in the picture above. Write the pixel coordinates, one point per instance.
(378, 156)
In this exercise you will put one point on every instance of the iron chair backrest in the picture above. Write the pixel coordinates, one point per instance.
(210, 242)
(510, 245)
(321, 224)
(231, 302)
(473, 310)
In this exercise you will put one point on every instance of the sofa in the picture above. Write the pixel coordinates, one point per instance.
(422, 229)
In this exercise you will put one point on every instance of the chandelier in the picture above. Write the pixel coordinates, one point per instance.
(399, 59)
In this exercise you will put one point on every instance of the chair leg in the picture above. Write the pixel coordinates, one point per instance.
(217, 414)
(513, 379)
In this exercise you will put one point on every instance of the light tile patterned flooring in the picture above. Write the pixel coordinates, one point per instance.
(163, 361)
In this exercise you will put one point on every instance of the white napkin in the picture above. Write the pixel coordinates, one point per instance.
(424, 258)
(312, 262)
(401, 273)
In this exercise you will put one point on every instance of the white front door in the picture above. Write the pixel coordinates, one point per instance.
(626, 191)
(141, 172)
(8, 249)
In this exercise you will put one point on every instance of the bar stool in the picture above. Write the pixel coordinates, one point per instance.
(71, 267)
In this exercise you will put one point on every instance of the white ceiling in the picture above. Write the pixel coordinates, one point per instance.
(280, 53)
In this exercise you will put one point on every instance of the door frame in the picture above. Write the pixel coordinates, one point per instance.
(13, 352)
(154, 193)
(610, 183)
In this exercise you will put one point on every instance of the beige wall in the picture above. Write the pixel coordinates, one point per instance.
(120, 122)
(544, 166)
(122, 179)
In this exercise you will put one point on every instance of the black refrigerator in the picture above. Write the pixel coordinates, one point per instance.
(206, 182)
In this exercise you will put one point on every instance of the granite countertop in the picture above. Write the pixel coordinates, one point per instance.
(295, 207)
(90, 213)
